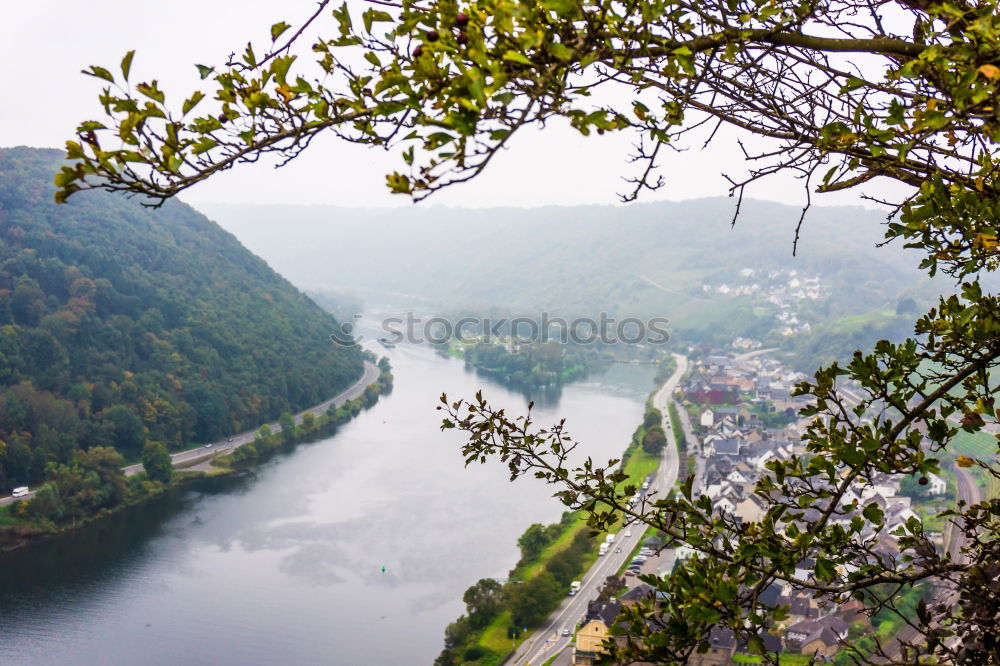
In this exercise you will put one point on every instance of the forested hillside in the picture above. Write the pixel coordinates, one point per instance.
(121, 324)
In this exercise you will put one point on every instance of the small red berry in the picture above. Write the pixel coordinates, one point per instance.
(432, 35)
(461, 19)
(923, 481)
(417, 52)
(462, 39)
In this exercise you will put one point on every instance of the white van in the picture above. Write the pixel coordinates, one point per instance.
(574, 587)
(603, 550)
(20, 491)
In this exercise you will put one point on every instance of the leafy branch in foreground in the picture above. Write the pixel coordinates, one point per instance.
(910, 390)
(841, 97)
(842, 94)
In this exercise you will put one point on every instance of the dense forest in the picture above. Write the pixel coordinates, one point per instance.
(122, 324)
(534, 365)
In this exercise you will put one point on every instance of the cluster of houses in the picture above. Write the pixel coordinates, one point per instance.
(786, 289)
(745, 416)
(746, 344)
(810, 629)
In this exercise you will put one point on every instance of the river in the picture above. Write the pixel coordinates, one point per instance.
(284, 564)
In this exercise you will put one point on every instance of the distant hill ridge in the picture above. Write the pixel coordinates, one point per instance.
(121, 324)
(577, 257)
(643, 259)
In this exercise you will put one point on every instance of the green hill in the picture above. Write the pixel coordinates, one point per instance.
(681, 260)
(121, 324)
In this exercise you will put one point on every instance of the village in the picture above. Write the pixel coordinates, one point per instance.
(739, 414)
(786, 290)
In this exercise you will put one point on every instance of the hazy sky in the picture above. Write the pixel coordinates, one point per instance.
(47, 42)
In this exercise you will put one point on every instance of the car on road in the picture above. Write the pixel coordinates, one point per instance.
(20, 491)
(618, 550)
(566, 632)
(629, 572)
(628, 534)
(208, 446)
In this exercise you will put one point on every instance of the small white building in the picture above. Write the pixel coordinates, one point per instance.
(724, 505)
(707, 418)
(936, 485)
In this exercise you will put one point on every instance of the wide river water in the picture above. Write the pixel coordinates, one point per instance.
(284, 565)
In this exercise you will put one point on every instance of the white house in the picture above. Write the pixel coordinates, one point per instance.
(737, 477)
(724, 505)
(707, 418)
(936, 485)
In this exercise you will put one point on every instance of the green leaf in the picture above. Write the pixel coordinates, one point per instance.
(204, 71)
(192, 101)
(374, 16)
(100, 73)
(151, 91)
(824, 569)
(516, 56)
(204, 144)
(873, 514)
(277, 29)
(560, 51)
(564, 8)
(127, 64)
(280, 66)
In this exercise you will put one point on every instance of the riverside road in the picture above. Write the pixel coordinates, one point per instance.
(206, 452)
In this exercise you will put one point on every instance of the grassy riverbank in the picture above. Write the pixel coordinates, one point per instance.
(569, 551)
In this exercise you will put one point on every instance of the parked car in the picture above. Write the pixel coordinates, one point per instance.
(629, 572)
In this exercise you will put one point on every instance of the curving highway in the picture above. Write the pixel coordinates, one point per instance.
(547, 640)
(208, 451)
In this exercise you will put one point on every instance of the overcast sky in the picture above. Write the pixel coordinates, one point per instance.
(47, 42)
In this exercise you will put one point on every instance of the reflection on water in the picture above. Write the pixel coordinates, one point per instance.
(284, 564)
